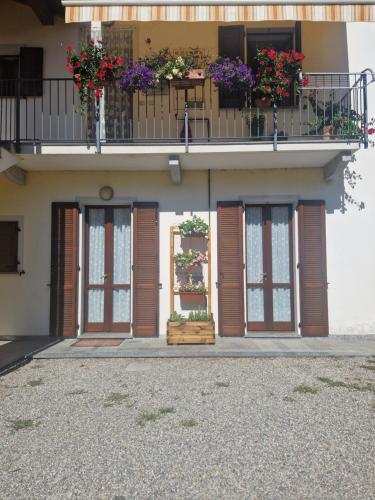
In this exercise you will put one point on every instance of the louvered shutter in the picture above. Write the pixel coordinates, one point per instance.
(230, 268)
(8, 247)
(145, 269)
(64, 269)
(31, 71)
(313, 268)
(232, 45)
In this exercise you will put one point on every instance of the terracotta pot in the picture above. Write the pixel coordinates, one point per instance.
(264, 102)
(327, 132)
(194, 77)
(193, 297)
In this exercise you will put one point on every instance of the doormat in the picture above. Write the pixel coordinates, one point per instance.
(97, 342)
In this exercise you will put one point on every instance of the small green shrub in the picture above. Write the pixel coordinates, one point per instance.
(193, 227)
(306, 389)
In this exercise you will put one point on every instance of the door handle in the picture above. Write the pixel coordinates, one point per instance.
(104, 276)
(263, 276)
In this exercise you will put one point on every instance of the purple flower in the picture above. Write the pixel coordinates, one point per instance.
(231, 75)
(137, 76)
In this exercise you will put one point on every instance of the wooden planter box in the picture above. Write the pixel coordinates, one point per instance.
(193, 297)
(190, 332)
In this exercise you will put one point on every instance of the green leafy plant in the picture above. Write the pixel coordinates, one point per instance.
(198, 316)
(186, 260)
(177, 316)
(193, 227)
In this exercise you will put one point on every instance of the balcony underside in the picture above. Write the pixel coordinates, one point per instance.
(199, 157)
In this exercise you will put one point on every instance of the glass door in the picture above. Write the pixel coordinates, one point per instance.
(269, 268)
(107, 269)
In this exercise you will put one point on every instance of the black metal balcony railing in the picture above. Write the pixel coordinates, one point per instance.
(332, 106)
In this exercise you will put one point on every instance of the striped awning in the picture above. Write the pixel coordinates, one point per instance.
(221, 13)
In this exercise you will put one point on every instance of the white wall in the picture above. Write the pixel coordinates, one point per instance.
(24, 300)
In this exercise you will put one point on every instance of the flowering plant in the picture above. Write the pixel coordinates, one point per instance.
(231, 75)
(91, 68)
(192, 288)
(174, 69)
(138, 76)
(276, 70)
(192, 227)
(191, 259)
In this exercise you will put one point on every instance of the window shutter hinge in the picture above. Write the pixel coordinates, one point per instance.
(300, 325)
(77, 327)
(79, 268)
(18, 229)
(243, 266)
(298, 265)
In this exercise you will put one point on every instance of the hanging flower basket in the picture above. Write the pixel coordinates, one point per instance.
(195, 227)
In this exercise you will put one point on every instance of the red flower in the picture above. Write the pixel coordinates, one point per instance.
(371, 131)
(264, 51)
(78, 85)
(110, 66)
(279, 90)
(305, 81)
(272, 54)
(90, 85)
(69, 67)
(102, 64)
(69, 48)
(77, 64)
(98, 93)
(286, 94)
(280, 65)
(67, 59)
(269, 69)
(120, 61)
(77, 75)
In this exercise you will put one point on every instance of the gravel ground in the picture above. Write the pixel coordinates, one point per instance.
(188, 428)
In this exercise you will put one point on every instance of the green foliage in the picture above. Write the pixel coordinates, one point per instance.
(306, 389)
(177, 317)
(190, 259)
(198, 316)
(190, 422)
(19, 424)
(192, 227)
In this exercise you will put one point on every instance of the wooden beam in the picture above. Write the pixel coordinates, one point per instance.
(43, 9)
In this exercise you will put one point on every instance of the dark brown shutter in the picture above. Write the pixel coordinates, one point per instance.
(232, 45)
(64, 269)
(8, 246)
(31, 71)
(313, 268)
(230, 268)
(145, 269)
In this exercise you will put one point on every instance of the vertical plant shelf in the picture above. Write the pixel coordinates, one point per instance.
(185, 331)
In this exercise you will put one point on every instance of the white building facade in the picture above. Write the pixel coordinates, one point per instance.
(291, 245)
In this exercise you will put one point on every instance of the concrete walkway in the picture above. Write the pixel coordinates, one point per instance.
(339, 346)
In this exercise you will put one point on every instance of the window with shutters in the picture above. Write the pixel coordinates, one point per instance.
(9, 246)
(278, 39)
(233, 40)
(27, 66)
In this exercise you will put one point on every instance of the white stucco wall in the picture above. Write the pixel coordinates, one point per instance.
(24, 300)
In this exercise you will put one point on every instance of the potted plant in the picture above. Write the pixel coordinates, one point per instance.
(91, 68)
(187, 260)
(138, 76)
(276, 70)
(256, 124)
(190, 292)
(231, 75)
(195, 227)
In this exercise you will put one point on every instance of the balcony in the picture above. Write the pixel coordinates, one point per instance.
(328, 114)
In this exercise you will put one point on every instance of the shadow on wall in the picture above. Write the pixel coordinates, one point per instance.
(343, 193)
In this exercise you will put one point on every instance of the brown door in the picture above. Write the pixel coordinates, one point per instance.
(107, 269)
(269, 268)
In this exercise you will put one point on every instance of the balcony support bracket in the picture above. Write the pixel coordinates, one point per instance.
(336, 166)
(16, 174)
(175, 169)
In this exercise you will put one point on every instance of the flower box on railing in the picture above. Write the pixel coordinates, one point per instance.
(194, 78)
